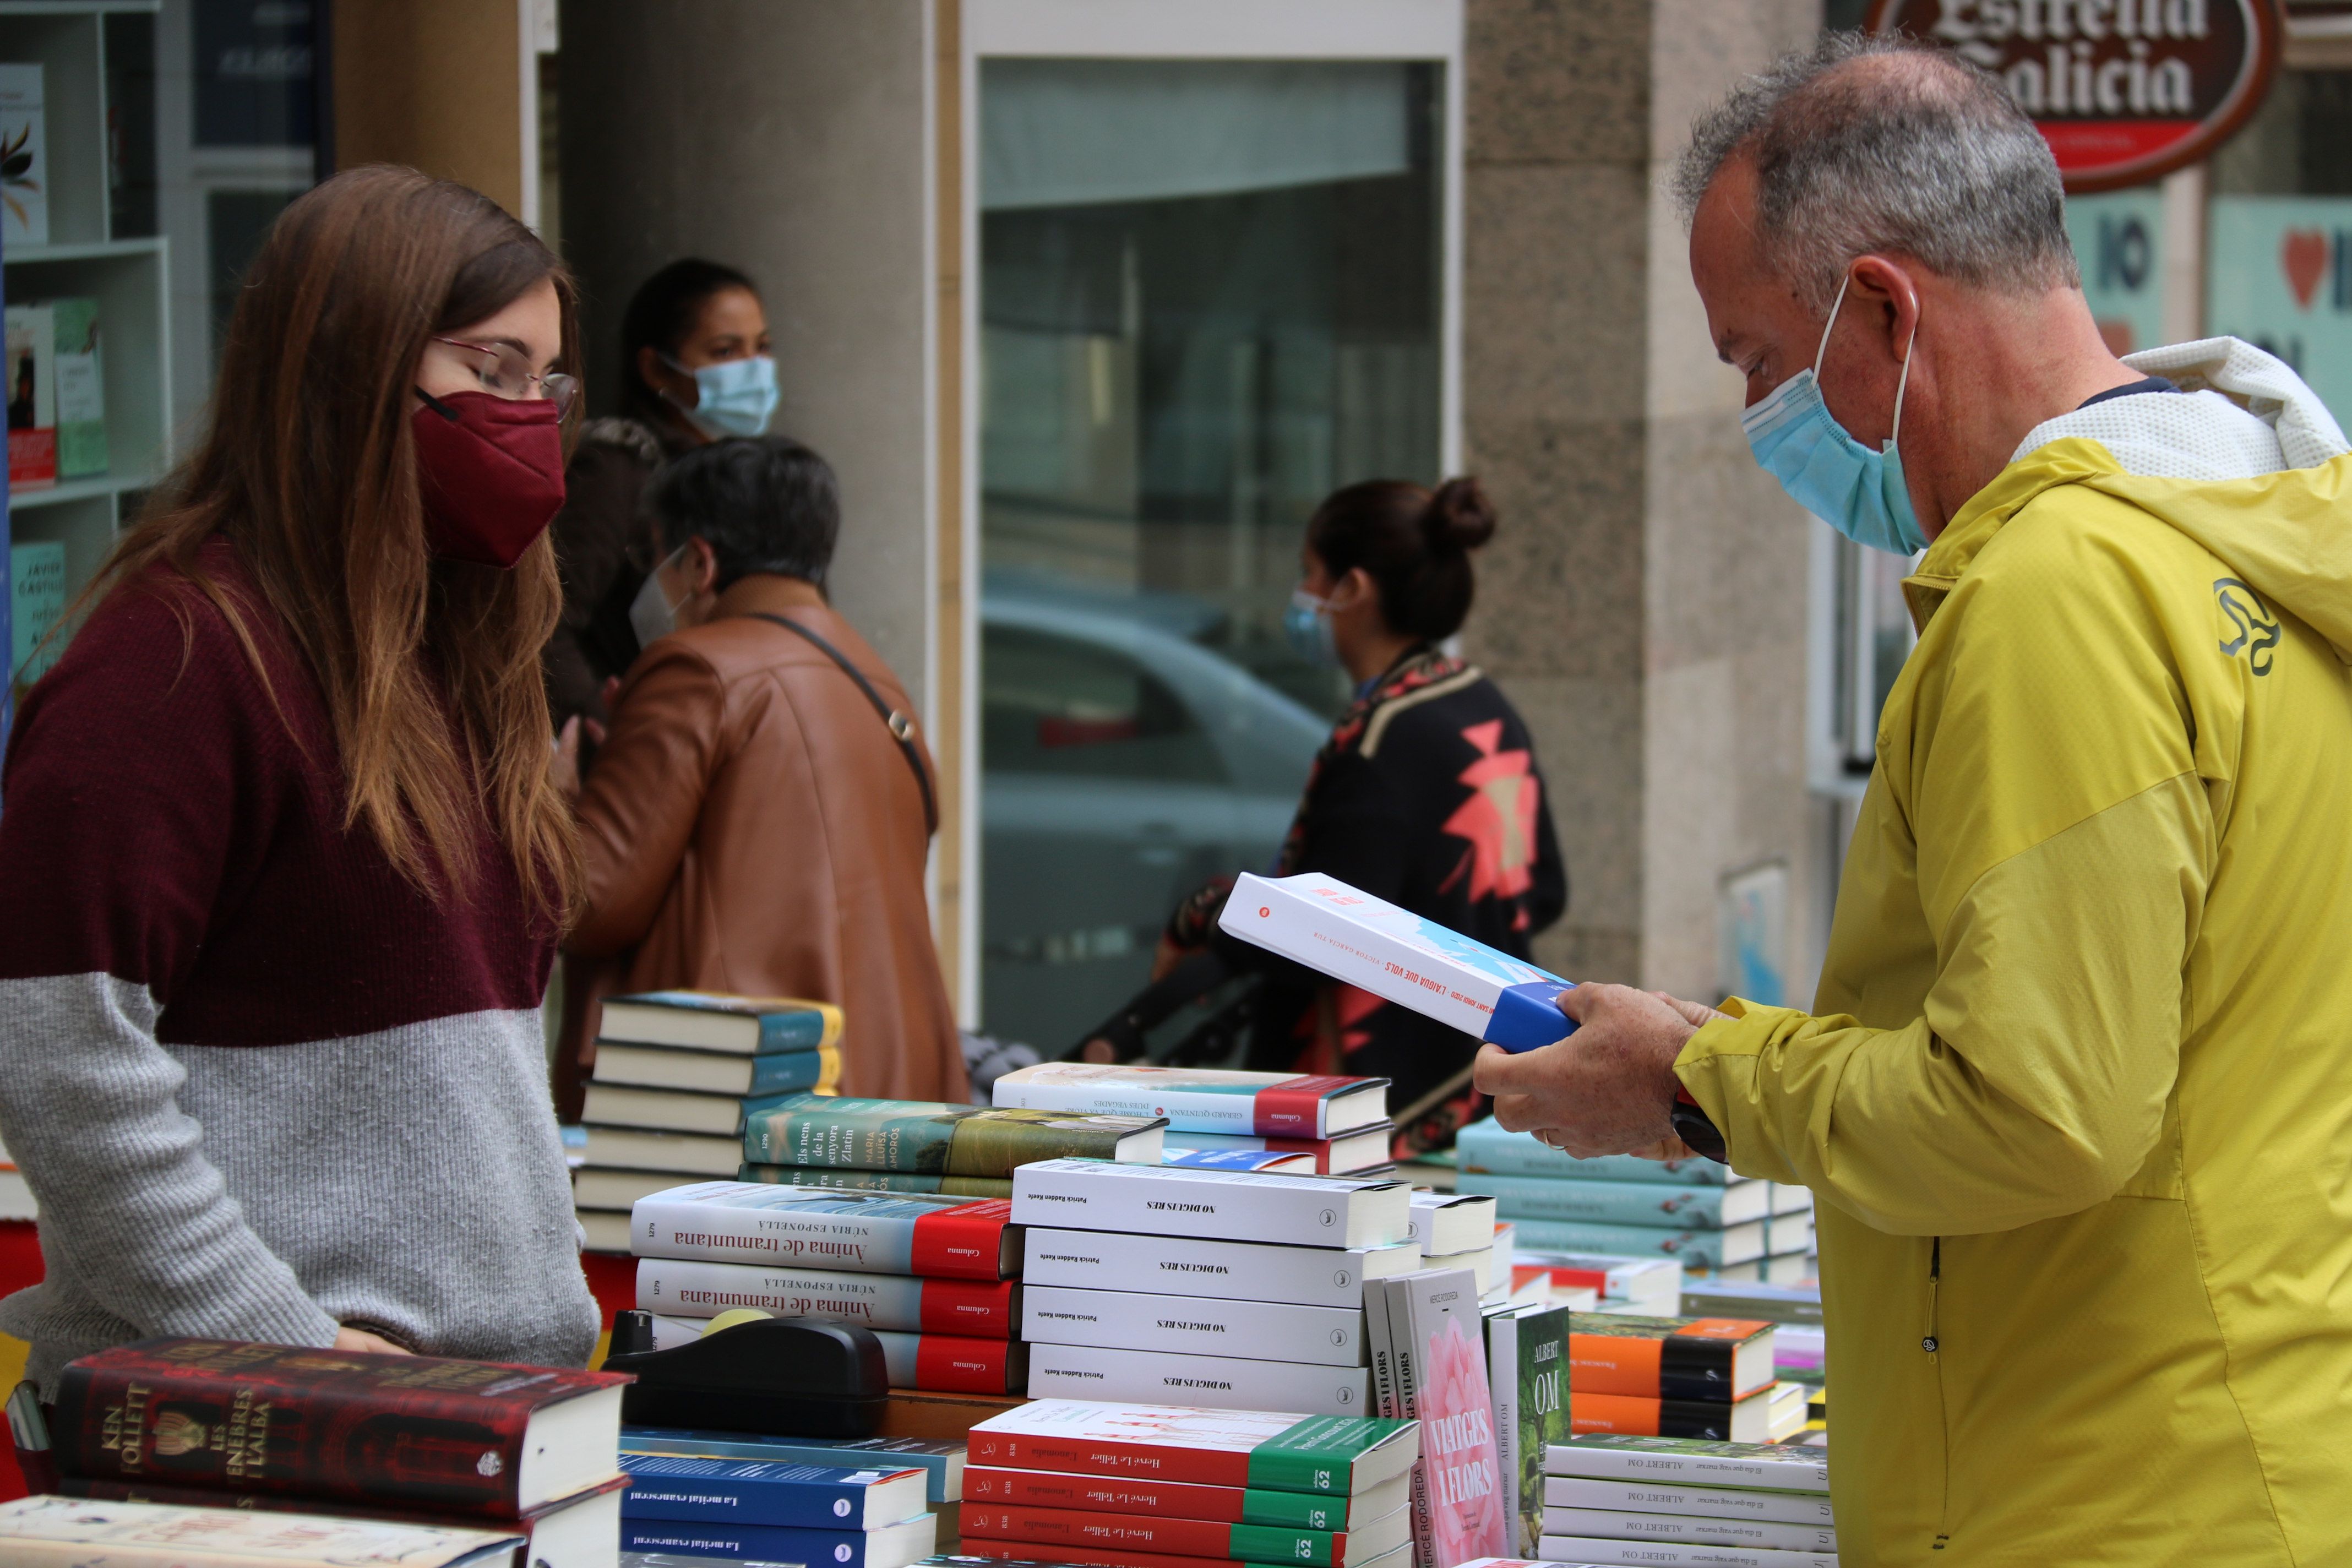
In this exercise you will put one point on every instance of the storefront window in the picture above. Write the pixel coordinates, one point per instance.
(1208, 295)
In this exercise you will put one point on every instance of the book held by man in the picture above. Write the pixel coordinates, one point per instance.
(1203, 1099)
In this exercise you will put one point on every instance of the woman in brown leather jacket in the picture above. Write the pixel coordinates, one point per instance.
(759, 815)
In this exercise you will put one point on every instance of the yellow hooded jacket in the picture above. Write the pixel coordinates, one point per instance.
(2077, 1102)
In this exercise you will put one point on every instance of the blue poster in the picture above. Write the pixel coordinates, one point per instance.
(2278, 273)
(2119, 242)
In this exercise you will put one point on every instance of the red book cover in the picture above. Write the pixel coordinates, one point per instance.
(1294, 1108)
(965, 1243)
(1123, 1535)
(1103, 1494)
(979, 1309)
(1079, 1453)
(952, 1364)
(443, 1436)
(1089, 1557)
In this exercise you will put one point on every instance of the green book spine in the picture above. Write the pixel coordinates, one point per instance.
(1541, 1411)
(1267, 1543)
(1319, 1455)
(1295, 1511)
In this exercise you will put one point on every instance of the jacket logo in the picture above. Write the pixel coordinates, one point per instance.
(2258, 629)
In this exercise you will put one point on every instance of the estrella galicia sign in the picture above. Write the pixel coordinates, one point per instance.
(2258, 629)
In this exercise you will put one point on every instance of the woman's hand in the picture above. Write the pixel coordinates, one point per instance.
(362, 1343)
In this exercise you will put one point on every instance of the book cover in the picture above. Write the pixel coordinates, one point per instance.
(1634, 1456)
(1541, 1410)
(1590, 1549)
(1181, 1500)
(80, 1533)
(1379, 1348)
(1266, 1161)
(877, 1180)
(637, 1148)
(1223, 1205)
(24, 157)
(1614, 1524)
(974, 1307)
(1654, 1282)
(1177, 1536)
(36, 597)
(1655, 1203)
(718, 1073)
(1450, 1222)
(1350, 1154)
(1484, 1149)
(1692, 1248)
(81, 389)
(865, 1233)
(718, 1020)
(934, 1137)
(1503, 1386)
(1203, 1099)
(762, 1492)
(1192, 1325)
(1749, 1420)
(1251, 1448)
(1442, 1376)
(420, 1431)
(889, 1546)
(31, 332)
(1719, 1359)
(1189, 1266)
(942, 1463)
(1705, 1502)
(1101, 1372)
(675, 1110)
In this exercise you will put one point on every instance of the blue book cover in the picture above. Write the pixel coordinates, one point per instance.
(885, 1548)
(1691, 1248)
(765, 1493)
(941, 1462)
(1484, 1148)
(1620, 1203)
(787, 1072)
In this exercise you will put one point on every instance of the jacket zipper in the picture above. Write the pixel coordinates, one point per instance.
(1930, 1344)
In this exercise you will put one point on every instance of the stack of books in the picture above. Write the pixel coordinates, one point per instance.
(776, 1511)
(676, 1072)
(1665, 1503)
(1598, 1282)
(1458, 1231)
(1143, 1486)
(1160, 1285)
(929, 1146)
(288, 1429)
(935, 1277)
(1342, 1124)
(1709, 1378)
(1704, 1216)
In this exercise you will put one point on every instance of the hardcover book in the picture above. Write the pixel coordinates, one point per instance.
(867, 1233)
(718, 1073)
(889, 1546)
(942, 1463)
(1203, 1099)
(1484, 1148)
(1526, 1359)
(52, 1531)
(1440, 1374)
(1182, 1500)
(715, 1021)
(676, 1110)
(1255, 1449)
(1310, 1211)
(636, 1149)
(1719, 1359)
(1688, 1529)
(877, 1180)
(1136, 1532)
(936, 1138)
(458, 1436)
(1692, 1248)
(1704, 1502)
(973, 1308)
(1188, 1265)
(1350, 1154)
(758, 1492)
(1629, 1456)
(81, 389)
(24, 158)
(36, 597)
(1097, 1372)
(1192, 1325)
(1622, 1203)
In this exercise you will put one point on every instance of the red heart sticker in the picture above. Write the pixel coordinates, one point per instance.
(2302, 256)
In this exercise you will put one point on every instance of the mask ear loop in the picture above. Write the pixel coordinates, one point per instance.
(1829, 326)
(1902, 383)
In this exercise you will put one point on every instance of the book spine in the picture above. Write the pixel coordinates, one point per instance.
(716, 1233)
(1543, 1411)
(1599, 1202)
(1101, 1532)
(1294, 1210)
(966, 1243)
(1692, 1248)
(1503, 1384)
(1095, 1456)
(1789, 1470)
(1672, 1555)
(1687, 1531)
(788, 1072)
(932, 1458)
(1323, 938)
(1403, 1364)
(844, 1548)
(692, 1289)
(1380, 1341)
(1187, 1265)
(726, 1500)
(952, 1364)
(1192, 1325)
(1706, 1502)
(1653, 1366)
(1216, 1382)
(1478, 1151)
(800, 1030)
(1104, 1494)
(1624, 1414)
(855, 1134)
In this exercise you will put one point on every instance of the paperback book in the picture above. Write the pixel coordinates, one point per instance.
(676, 1110)
(867, 1233)
(761, 1492)
(1189, 1266)
(1749, 1420)
(1628, 1456)
(1692, 1248)
(1203, 1099)
(1192, 1325)
(1613, 1524)
(1350, 1154)
(975, 1307)
(935, 1138)
(1437, 1336)
(1263, 1161)
(1484, 1148)
(1704, 1502)
(890, 1546)
(716, 1021)
(942, 1463)
(1134, 1533)
(1587, 1549)
(24, 161)
(672, 1153)
(51, 1532)
(1526, 1363)
(1101, 1372)
(1622, 1203)
(1010, 1553)
(1718, 1359)
(1254, 1449)
(1311, 1211)
(1183, 1500)
(1446, 1222)
(718, 1073)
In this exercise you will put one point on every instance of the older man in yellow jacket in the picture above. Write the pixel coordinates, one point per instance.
(2076, 1093)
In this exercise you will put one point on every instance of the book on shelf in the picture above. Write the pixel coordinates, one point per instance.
(1133, 1376)
(479, 1438)
(938, 1364)
(54, 1531)
(1252, 1448)
(1203, 1099)
(878, 1181)
(1719, 1359)
(1683, 1462)
(867, 1233)
(707, 1155)
(1183, 1500)
(1704, 1502)
(1760, 1418)
(886, 1546)
(31, 334)
(717, 1072)
(1157, 1200)
(936, 1137)
(24, 157)
(1192, 1325)
(82, 388)
(1602, 1551)
(717, 1021)
(978, 1308)
(1446, 1222)
(1265, 1161)
(1622, 1203)
(764, 1493)
(1484, 1148)
(1694, 1248)
(1181, 1537)
(676, 1110)
(942, 1464)
(1191, 1266)
(1350, 1154)
(1527, 1366)
(1688, 1529)
(37, 598)
(1437, 1339)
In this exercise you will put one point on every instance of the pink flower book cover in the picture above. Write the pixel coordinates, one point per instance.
(1460, 1495)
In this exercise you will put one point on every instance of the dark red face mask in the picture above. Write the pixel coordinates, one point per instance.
(491, 471)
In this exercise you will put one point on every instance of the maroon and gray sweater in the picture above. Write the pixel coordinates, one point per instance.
(259, 1083)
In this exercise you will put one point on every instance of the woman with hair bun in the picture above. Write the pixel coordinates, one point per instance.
(1426, 794)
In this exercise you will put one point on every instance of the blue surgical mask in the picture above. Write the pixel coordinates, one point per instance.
(651, 614)
(1307, 623)
(734, 396)
(1855, 490)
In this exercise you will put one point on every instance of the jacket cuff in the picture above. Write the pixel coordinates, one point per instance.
(1716, 1068)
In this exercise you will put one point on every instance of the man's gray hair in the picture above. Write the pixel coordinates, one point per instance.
(1886, 144)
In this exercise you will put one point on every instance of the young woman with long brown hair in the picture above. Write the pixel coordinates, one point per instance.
(284, 870)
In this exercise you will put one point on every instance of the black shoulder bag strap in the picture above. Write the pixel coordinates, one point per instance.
(902, 727)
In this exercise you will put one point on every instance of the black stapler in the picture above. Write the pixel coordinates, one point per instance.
(798, 1376)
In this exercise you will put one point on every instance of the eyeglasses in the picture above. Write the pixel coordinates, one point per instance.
(505, 373)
